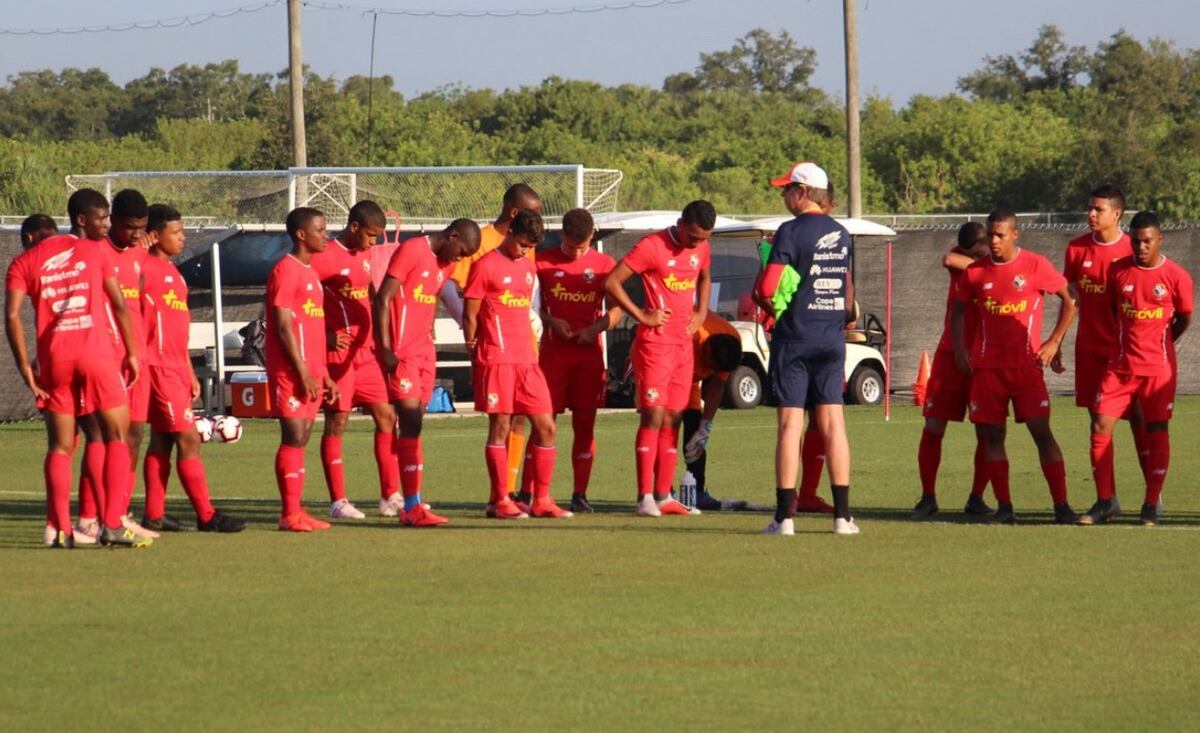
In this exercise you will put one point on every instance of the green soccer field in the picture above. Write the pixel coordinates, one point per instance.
(611, 621)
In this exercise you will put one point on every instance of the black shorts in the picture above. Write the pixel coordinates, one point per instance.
(805, 375)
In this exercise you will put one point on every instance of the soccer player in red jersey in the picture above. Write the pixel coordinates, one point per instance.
(173, 383)
(35, 228)
(508, 380)
(1005, 361)
(70, 281)
(674, 266)
(1088, 261)
(1151, 297)
(344, 268)
(571, 278)
(296, 372)
(949, 389)
(405, 310)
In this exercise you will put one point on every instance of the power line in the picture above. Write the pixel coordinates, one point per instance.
(140, 25)
(509, 13)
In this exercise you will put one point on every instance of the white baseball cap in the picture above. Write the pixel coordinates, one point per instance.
(804, 173)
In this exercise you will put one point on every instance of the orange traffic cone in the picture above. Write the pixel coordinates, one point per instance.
(922, 380)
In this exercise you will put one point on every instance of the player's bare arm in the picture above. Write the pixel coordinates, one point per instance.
(961, 358)
(703, 292)
(381, 321)
(117, 300)
(283, 329)
(471, 324)
(614, 287)
(957, 261)
(1179, 325)
(1066, 313)
(606, 322)
(16, 341)
(849, 299)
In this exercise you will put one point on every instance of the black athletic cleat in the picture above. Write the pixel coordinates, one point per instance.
(1102, 511)
(1064, 514)
(1004, 515)
(977, 507)
(580, 504)
(123, 538)
(926, 507)
(166, 524)
(219, 522)
(1149, 516)
(706, 502)
(63, 541)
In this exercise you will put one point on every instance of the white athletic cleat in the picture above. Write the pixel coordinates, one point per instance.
(49, 536)
(392, 506)
(648, 507)
(845, 526)
(786, 528)
(138, 530)
(343, 509)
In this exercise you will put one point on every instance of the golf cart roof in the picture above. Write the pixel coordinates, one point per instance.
(647, 221)
(856, 227)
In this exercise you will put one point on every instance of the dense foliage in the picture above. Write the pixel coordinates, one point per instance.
(1034, 131)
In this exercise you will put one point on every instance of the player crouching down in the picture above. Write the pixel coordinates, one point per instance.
(508, 380)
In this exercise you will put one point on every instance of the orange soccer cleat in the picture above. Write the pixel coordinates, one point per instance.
(812, 505)
(421, 517)
(505, 509)
(670, 506)
(294, 523)
(547, 509)
(316, 524)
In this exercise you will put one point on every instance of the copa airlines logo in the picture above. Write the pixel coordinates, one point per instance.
(572, 296)
(513, 301)
(312, 310)
(349, 292)
(679, 284)
(59, 260)
(1091, 287)
(172, 301)
(1133, 313)
(420, 296)
(996, 308)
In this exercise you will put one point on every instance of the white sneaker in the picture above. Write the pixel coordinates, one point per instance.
(49, 536)
(786, 528)
(845, 526)
(648, 507)
(138, 530)
(86, 536)
(392, 506)
(343, 509)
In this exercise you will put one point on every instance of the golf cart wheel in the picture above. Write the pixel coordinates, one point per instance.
(744, 389)
(866, 386)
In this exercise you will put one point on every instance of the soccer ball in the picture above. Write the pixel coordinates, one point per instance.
(204, 427)
(227, 429)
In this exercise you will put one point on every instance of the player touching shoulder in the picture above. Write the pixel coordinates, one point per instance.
(173, 384)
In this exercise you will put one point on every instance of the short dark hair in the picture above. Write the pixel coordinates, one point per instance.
(519, 193)
(129, 203)
(83, 201)
(367, 213)
(1000, 214)
(300, 217)
(1110, 191)
(701, 213)
(528, 223)
(160, 215)
(578, 224)
(970, 233)
(724, 352)
(1145, 220)
(468, 233)
(35, 223)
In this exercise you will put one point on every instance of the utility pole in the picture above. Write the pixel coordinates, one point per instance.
(296, 85)
(853, 142)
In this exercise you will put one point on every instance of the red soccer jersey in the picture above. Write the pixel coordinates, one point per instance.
(1087, 264)
(505, 286)
(1008, 299)
(346, 278)
(414, 308)
(670, 274)
(64, 278)
(1146, 299)
(970, 319)
(128, 263)
(573, 289)
(295, 286)
(165, 310)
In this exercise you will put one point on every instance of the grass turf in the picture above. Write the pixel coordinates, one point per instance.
(611, 621)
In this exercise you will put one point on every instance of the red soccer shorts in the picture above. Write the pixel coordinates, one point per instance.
(83, 386)
(575, 376)
(948, 391)
(414, 377)
(1155, 395)
(512, 389)
(291, 400)
(359, 382)
(139, 397)
(1090, 367)
(170, 408)
(663, 373)
(993, 389)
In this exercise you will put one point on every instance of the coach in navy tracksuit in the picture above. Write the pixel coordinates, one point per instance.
(808, 346)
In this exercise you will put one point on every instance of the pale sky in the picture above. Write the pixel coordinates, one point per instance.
(906, 47)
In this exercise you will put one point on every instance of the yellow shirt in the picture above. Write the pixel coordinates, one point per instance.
(489, 239)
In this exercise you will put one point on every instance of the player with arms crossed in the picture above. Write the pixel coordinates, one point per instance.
(70, 281)
(1151, 297)
(949, 389)
(296, 372)
(173, 383)
(405, 310)
(674, 266)
(508, 380)
(1005, 361)
(571, 278)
